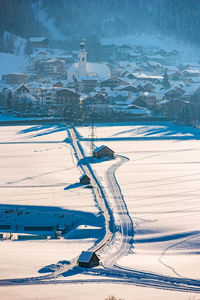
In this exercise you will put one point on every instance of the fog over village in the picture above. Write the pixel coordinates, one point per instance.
(99, 135)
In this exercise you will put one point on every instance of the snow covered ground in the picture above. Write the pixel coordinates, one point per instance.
(11, 63)
(40, 187)
(92, 291)
(160, 184)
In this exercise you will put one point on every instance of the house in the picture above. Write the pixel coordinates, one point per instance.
(68, 59)
(191, 73)
(58, 84)
(66, 95)
(149, 87)
(39, 42)
(67, 102)
(50, 66)
(147, 77)
(85, 84)
(103, 151)
(139, 101)
(22, 90)
(84, 179)
(15, 78)
(88, 259)
(129, 88)
(139, 111)
(113, 82)
(173, 109)
(174, 93)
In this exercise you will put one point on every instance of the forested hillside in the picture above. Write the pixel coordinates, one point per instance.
(104, 18)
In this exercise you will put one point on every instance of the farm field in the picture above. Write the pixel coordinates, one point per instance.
(160, 185)
(159, 181)
(38, 170)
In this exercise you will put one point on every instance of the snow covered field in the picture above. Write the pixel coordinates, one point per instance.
(39, 187)
(160, 184)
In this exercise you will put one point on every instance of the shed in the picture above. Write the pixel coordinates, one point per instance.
(88, 259)
(103, 151)
(84, 179)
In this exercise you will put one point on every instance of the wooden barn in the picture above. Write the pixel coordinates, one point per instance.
(88, 259)
(103, 151)
(84, 179)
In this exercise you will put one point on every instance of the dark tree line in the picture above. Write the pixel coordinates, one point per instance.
(78, 19)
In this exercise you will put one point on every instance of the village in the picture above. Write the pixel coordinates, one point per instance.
(133, 83)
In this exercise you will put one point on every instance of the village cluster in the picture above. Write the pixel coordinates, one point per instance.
(134, 82)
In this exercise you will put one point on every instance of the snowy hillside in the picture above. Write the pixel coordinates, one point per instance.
(11, 63)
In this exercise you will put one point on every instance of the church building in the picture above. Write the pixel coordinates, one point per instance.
(84, 69)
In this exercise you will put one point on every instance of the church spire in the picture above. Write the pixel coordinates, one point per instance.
(82, 59)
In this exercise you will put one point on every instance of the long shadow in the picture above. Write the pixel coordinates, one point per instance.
(73, 186)
(145, 138)
(165, 129)
(20, 217)
(41, 130)
(151, 131)
(92, 160)
(53, 267)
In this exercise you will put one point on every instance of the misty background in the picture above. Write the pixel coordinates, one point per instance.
(65, 22)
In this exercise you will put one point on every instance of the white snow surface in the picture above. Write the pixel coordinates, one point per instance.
(40, 187)
(11, 63)
(160, 185)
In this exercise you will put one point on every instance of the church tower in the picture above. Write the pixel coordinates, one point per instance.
(82, 60)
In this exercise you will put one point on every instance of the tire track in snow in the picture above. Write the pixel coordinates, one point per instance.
(123, 227)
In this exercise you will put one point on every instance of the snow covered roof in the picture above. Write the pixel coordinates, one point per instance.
(85, 256)
(97, 69)
(84, 78)
(37, 39)
(100, 148)
(146, 76)
(83, 176)
(191, 71)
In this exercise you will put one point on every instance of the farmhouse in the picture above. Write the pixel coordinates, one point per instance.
(84, 179)
(103, 151)
(15, 78)
(113, 82)
(88, 259)
(39, 42)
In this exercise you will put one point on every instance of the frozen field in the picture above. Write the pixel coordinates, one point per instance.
(39, 187)
(160, 184)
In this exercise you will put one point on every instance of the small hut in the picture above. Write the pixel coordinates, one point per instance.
(103, 151)
(84, 179)
(88, 259)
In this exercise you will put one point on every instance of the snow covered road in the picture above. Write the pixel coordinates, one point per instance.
(123, 226)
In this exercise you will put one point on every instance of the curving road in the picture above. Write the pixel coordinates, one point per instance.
(123, 226)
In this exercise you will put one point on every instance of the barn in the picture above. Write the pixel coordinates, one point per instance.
(88, 259)
(103, 151)
(84, 179)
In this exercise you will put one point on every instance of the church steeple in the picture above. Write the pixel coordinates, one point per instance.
(82, 59)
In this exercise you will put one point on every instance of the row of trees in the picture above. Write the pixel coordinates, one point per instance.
(82, 18)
